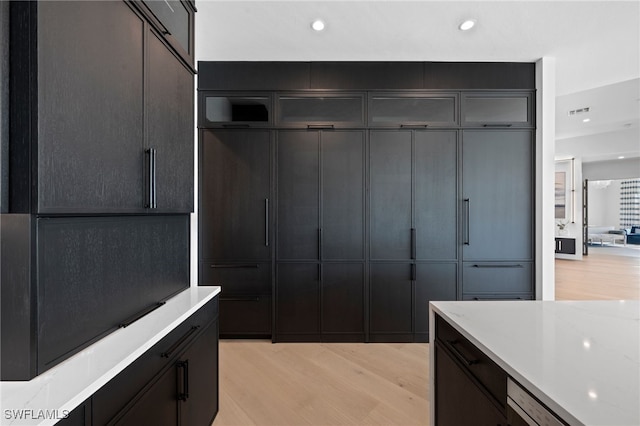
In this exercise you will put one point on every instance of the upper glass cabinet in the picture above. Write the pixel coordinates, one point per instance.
(330, 110)
(177, 19)
(218, 110)
(497, 110)
(420, 110)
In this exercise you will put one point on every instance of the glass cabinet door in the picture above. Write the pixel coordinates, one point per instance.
(331, 110)
(389, 110)
(218, 110)
(497, 110)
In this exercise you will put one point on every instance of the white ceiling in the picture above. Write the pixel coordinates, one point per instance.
(596, 45)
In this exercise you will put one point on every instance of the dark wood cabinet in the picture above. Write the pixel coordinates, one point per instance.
(298, 301)
(497, 195)
(394, 184)
(173, 383)
(464, 373)
(169, 109)
(565, 245)
(321, 220)
(235, 227)
(100, 177)
(413, 218)
(89, 103)
(390, 195)
(391, 302)
(497, 200)
(100, 103)
(235, 188)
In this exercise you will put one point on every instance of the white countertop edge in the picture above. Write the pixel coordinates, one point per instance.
(523, 381)
(86, 372)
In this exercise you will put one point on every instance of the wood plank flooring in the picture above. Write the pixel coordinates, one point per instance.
(369, 384)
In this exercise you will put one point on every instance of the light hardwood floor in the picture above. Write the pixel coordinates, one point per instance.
(369, 384)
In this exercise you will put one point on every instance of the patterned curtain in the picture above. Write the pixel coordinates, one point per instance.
(630, 203)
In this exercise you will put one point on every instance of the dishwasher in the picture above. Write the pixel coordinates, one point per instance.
(524, 410)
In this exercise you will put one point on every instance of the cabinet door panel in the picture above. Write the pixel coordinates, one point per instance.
(297, 300)
(90, 108)
(433, 282)
(234, 187)
(169, 109)
(157, 406)
(298, 193)
(453, 385)
(391, 299)
(94, 273)
(390, 210)
(343, 298)
(201, 404)
(435, 195)
(342, 195)
(498, 193)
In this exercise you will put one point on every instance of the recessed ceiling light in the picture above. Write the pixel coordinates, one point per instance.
(467, 25)
(586, 120)
(317, 25)
(621, 157)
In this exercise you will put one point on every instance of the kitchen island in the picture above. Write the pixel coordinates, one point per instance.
(579, 360)
(107, 372)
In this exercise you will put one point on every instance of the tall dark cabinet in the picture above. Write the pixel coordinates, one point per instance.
(392, 185)
(320, 234)
(235, 243)
(413, 211)
(96, 232)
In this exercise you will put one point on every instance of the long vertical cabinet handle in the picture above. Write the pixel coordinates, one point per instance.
(266, 222)
(152, 202)
(154, 153)
(149, 153)
(184, 366)
(467, 204)
(319, 243)
(414, 272)
(413, 243)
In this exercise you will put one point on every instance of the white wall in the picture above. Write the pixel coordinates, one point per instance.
(628, 168)
(604, 204)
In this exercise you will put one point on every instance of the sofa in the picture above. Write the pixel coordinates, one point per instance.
(633, 235)
(606, 234)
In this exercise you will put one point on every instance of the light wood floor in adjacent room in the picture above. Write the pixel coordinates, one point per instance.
(369, 384)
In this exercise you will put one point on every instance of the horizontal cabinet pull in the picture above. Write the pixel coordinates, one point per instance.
(236, 126)
(239, 299)
(414, 126)
(139, 315)
(239, 266)
(460, 355)
(497, 126)
(497, 266)
(320, 126)
(176, 345)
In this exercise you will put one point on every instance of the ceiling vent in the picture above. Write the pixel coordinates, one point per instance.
(579, 111)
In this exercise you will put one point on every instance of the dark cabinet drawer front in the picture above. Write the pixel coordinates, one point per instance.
(489, 297)
(245, 316)
(117, 393)
(490, 376)
(234, 278)
(492, 278)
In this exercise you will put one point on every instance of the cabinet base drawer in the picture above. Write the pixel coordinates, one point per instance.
(246, 316)
(497, 277)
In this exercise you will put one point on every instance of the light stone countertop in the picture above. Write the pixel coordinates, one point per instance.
(581, 359)
(46, 398)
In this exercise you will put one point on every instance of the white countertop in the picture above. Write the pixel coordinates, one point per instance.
(68, 384)
(581, 359)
